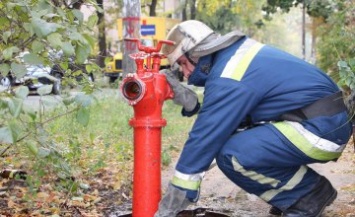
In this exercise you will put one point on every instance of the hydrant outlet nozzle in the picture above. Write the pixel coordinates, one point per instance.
(133, 90)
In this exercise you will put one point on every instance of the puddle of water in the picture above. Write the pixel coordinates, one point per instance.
(203, 212)
(198, 212)
(124, 210)
(208, 207)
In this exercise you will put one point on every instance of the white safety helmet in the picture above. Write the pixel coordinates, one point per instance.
(186, 35)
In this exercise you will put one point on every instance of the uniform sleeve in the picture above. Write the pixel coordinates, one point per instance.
(226, 103)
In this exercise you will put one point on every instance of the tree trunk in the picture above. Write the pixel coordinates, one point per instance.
(304, 30)
(316, 21)
(102, 39)
(152, 8)
(193, 9)
(184, 12)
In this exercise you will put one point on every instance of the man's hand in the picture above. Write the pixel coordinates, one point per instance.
(174, 201)
(183, 96)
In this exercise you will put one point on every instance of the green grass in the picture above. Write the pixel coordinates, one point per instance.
(107, 140)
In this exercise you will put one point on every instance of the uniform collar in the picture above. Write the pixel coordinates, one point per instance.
(200, 74)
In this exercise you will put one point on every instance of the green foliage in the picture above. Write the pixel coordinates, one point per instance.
(225, 16)
(336, 41)
(272, 6)
(55, 140)
(42, 29)
(115, 12)
(347, 73)
(315, 8)
(223, 21)
(335, 35)
(320, 8)
(61, 141)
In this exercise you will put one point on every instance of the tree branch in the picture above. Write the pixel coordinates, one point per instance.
(5, 149)
(60, 115)
(44, 122)
(19, 140)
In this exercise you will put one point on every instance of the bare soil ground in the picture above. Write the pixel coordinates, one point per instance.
(220, 194)
(217, 193)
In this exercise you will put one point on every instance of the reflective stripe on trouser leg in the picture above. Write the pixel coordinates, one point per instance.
(260, 178)
(265, 164)
(310, 144)
(295, 180)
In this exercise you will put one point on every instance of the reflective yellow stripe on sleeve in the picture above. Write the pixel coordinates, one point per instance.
(191, 185)
(245, 62)
(240, 61)
(187, 181)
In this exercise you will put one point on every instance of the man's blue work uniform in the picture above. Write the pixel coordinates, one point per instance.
(250, 83)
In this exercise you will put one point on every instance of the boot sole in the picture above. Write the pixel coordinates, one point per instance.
(329, 202)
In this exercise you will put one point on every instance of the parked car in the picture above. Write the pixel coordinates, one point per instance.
(36, 76)
(39, 75)
(57, 70)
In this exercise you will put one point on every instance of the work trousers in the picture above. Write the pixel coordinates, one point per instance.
(263, 162)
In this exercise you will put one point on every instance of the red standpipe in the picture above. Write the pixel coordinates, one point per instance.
(146, 91)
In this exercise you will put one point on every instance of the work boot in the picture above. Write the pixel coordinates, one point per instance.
(275, 211)
(314, 203)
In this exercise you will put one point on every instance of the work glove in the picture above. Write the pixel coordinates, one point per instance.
(175, 200)
(182, 95)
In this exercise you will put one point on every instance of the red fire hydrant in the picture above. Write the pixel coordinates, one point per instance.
(146, 91)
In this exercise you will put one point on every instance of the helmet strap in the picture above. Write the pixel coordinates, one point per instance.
(190, 59)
